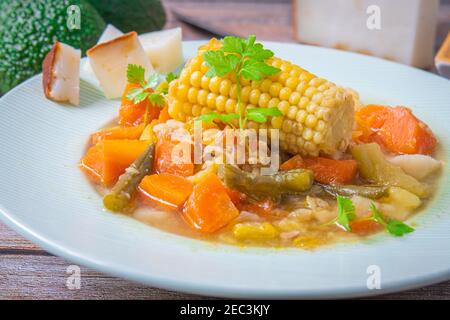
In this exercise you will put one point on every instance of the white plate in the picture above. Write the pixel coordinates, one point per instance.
(46, 198)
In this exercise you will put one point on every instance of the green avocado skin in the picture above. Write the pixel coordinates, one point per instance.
(132, 15)
(29, 28)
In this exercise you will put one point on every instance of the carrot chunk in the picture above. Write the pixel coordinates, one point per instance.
(118, 133)
(365, 227)
(173, 157)
(325, 170)
(164, 114)
(108, 159)
(166, 189)
(131, 114)
(396, 129)
(296, 162)
(209, 207)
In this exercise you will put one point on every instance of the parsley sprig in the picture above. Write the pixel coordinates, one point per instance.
(346, 213)
(136, 75)
(246, 60)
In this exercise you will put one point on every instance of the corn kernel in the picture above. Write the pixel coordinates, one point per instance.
(273, 102)
(292, 112)
(196, 79)
(254, 96)
(283, 106)
(225, 86)
(294, 98)
(230, 105)
(301, 116)
(205, 82)
(310, 121)
(264, 99)
(285, 93)
(292, 82)
(265, 85)
(277, 122)
(182, 92)
(245, 93)
(233, 91)
(201, 97)
(255, 231)
(204, 67)
(192, 94)
(307, 134)
(275, 89)
(196, 110)
(214, 84)
(187, 108)
(211, 100)
(220, 103)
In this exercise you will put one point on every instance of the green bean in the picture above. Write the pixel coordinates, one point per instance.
(119, 198)
(371, 192)
(273, 186)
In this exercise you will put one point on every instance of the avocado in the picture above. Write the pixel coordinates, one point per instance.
(132, 15)
(29, 28)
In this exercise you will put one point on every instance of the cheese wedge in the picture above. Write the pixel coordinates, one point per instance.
(164, 49)
(109, 61)
(61, 74)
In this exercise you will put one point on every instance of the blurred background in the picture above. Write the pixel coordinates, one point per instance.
(406, 31)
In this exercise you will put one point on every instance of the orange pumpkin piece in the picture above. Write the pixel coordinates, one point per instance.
(166, 189)
(396, 129)
(118, 133)
(108, 159)
(131, 114)
(209, 207)
(164, 114)
(173, 157)
(365, 227)
(325, 170)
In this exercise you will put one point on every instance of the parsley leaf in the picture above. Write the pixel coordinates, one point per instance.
(135, 74)
(171, 76)
(225, 117)
(152, 81)
(274, 111)
(257, 117)
(219, 64)
(156, 98)
(233, 45)
(346, 212)
(254, 70)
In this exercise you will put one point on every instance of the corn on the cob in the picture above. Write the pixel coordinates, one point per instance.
(317, 114)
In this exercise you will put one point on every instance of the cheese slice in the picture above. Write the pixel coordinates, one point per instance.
(400, 30)
(164, 49)
(108, 34)
(109, 61)
(61, 74)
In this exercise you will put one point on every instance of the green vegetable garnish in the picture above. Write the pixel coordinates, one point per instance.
(394, 227)
(171, 76)
(346, 212)
(246, 59)
(136, 75)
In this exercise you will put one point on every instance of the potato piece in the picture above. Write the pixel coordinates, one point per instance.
(416, 165)
(61, 74)
(404, 199)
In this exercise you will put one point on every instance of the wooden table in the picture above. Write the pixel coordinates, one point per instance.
(29, 272)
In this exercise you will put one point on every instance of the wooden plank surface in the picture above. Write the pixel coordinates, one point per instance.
(29, 272)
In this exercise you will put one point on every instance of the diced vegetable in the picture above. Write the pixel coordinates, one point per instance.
(164, 114)
(403, 199)
(117, 133)
(376, 169)
(200, 175)
(416, 165)
(255, 231)
(238, 198)
(372, 192)
(131, 114)
(296, 162)
(365, 227)
(307, 242)
(166, 189)
(396, 129)
(268, 186)
(119, 198)
(168, 160)
(209, 208)
(108, 159)
(325, 170)
(148, 134)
